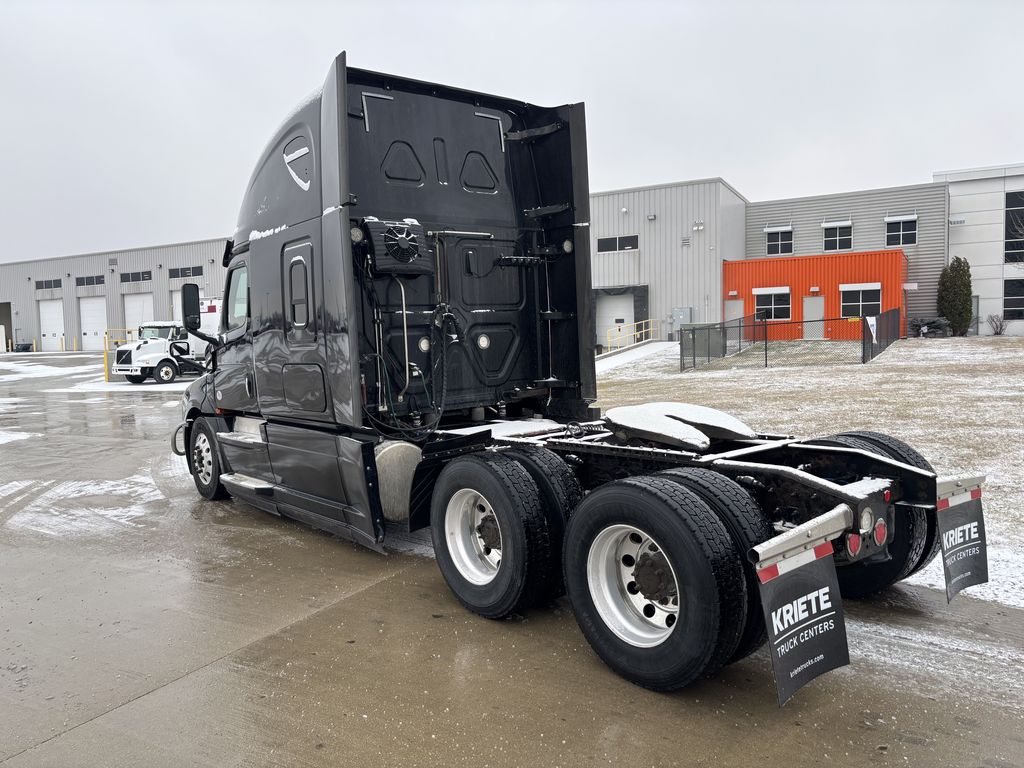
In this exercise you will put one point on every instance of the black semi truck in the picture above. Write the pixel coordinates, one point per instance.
(407, 339)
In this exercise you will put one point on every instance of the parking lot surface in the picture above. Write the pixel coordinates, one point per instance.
(143, 625)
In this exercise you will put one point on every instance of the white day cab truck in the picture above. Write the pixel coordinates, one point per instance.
(165, 349)
(407, 340)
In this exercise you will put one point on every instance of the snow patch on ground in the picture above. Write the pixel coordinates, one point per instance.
(29, 356)
(8, 404)
(84, 507)
(632, 355)
(10, 437)
(932, 658)
(17, 370)
(123, 387)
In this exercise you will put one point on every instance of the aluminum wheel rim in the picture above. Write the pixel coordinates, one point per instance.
(612, 562)
(166, 372)
(202, 459)
(466, 512)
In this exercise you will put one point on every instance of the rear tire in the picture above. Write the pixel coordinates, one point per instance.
(630, 547)
(489, 534)
(747, 525)
(204, 461)
(901, 451)
(865, 578)
(560, 492)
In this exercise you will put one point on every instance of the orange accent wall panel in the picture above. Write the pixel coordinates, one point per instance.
(826, 273)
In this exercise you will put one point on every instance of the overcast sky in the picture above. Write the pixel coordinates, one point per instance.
(137, 123)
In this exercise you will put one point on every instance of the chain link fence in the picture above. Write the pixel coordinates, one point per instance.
(754, 342)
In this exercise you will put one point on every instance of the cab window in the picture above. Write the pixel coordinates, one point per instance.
(237, 310)
(149, 332)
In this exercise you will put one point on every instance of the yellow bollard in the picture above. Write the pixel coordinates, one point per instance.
(33, 345)
(62, 342)
(106, 366)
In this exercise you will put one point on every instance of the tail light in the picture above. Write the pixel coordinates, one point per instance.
(853, 543)
(880, 532)
(887, 495)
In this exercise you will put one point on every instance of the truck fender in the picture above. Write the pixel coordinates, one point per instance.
(422, 491)
(435, 455)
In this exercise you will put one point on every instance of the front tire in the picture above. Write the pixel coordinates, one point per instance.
(654, 582)
(132, 379)
(165, 373)
(489, 534)
(204, 461)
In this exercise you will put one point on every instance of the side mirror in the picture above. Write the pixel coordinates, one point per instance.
(190, 306)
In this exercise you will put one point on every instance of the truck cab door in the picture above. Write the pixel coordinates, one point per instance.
(234, 379)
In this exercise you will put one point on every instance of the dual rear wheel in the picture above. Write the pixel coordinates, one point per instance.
(654, 566)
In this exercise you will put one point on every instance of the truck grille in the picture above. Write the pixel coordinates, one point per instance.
(124, 357)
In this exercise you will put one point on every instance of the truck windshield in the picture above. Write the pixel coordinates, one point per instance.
(146, 332)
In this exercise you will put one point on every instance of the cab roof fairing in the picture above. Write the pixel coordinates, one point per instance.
(254, 214)
(308, 113)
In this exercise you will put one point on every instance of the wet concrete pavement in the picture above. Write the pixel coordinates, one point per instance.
(142, 625)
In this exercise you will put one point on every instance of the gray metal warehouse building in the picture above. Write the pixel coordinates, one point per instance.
(658, 251)
(69, 302)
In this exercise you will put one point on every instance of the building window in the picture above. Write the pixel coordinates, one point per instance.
(779, 242)
(899, 233)
(772, 303)
(136, 277)
(624, 243)
(1014, 234)
(175, 272)
(1013, 299)
(42, 285)
(861, 300)
(90, 280)
(838, 238)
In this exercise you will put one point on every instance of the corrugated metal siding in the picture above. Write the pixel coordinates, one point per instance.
(827, 273)
(867, 209)
(677, 275)
(17, 283)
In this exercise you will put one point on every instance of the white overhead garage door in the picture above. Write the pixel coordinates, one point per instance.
(92, 314)
(614, 312)
(51, 324)
(138, 309)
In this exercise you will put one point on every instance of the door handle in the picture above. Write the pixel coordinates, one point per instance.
(248, 386)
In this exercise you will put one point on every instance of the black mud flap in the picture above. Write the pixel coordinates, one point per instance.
(964, 551)
(804, 615)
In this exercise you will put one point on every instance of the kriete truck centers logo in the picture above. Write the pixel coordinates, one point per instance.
(816, 606)
(962, 534)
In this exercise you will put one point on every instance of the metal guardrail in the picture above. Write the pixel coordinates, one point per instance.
(633, 333)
